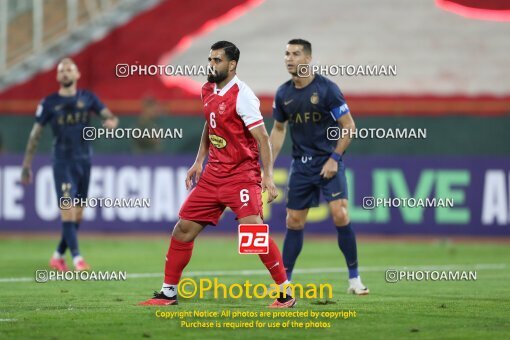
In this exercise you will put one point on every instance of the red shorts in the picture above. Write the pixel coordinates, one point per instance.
(240, 192)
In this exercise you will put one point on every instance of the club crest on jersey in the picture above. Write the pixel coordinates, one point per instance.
(217, 141)
(314, 99)
(222, 107)
(80, 104)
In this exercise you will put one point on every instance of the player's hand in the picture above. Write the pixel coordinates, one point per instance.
(111, 123)
(26, 175)
(268, 184)
(329, 169)
(193, 174)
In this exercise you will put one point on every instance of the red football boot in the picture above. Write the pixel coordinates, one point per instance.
(159, 299)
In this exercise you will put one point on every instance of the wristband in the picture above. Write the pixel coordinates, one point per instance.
(336, 156)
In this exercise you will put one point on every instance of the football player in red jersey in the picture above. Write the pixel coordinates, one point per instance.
(234, 135)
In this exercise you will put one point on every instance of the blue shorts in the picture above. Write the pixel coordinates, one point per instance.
(306, 183)
(71, 178)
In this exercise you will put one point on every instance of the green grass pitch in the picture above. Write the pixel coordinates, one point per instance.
(106, 310)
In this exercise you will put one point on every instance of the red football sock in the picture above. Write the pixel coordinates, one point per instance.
(177, 258)
(274, 263)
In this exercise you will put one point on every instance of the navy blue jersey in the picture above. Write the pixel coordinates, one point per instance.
(68, 117)
(310, 111)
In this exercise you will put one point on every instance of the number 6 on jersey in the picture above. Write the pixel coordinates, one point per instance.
(212, 122)
(244, 195)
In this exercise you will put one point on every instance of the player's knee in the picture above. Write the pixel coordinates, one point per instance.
(79, 215)
(253, 219)
(341, 217)
(183, 232)
(68, 215)
(180, 231)
(294, 222)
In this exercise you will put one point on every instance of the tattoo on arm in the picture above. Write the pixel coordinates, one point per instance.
(33, 141)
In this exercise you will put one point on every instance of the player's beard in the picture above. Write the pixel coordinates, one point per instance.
(67, 84)
(218, 77)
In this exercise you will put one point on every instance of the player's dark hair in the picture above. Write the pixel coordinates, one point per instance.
(231, 50)
(307, 46)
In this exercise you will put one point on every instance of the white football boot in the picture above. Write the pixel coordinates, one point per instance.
(356, 287)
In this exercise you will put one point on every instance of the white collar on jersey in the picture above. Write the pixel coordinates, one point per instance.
(226, 87)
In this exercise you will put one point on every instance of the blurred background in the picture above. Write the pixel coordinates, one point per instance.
(452, 79)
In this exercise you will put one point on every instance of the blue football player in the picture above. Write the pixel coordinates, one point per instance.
(310, 104)
(68, 112)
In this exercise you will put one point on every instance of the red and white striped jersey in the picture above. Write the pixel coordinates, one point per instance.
(230, 114)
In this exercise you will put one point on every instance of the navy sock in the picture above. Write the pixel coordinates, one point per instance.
(292, 246)
(347, 244)
(71, 237)
(62, 245)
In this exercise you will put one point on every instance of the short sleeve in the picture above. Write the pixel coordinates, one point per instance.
(278, 113)
(336, 102)
(95, 104)
(248, 108)
(42, 114)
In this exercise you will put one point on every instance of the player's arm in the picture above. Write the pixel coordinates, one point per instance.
(341, 113)
(33, 141)
(346, 122)
(110, 121)
(277, 137)
(330, 168)
(266, 156)
(248, 108)
(196, 169)
(279, 127)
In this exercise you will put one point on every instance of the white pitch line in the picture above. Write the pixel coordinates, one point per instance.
(330, 270)
(483, 266)
(8, 320)
(17, 279)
